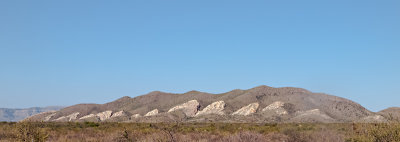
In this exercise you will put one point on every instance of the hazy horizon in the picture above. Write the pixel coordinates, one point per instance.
(68, 52)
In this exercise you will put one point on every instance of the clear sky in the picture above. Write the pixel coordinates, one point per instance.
(93, 51)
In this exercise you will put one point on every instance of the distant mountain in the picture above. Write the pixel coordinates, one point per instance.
(261, 104)
(8, 114)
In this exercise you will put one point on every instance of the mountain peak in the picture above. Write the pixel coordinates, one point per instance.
(193, 91)
(261, 87)
(124, 98)
(156, 93)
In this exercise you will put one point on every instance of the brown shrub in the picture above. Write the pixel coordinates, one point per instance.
(322, 135)
(27, 131)
(210, 132)
(382, 132)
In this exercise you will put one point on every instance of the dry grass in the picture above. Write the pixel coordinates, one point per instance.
(200, 132)
(382, 132)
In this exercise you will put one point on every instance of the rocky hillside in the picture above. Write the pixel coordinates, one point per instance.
(7, 114)
(392, 113)
(260, 104)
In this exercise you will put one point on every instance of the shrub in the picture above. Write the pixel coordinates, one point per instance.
(92, 124)
(382, 132)
(27, 131)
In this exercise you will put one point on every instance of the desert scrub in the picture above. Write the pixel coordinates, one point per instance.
(380, 132)
(113, 131)
(30, 132)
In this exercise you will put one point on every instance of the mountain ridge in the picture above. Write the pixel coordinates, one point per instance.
(289, 104)
(17, 114)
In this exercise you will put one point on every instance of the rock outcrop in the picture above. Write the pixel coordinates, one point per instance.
(152, 113)
(70, 117)
(104, 115)
(190, 108)
(277, 107)
(214, 108)
(136, 116)
(247, 110)
(88, 116)
(261, 104)
(48, 117)
(118, 114)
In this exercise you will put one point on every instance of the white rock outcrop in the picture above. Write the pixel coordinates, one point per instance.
(152, 113)
(62, 118)
(48, 117)
(277, 107)
(190, 108)
(70, 117)
(214, 108)
(118, 114)
(247, 110)
(136, 116)
(104, 115)
(88, 116)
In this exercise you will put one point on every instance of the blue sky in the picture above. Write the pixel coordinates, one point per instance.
(69, 52)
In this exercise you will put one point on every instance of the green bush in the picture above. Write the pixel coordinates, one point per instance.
(92, 124)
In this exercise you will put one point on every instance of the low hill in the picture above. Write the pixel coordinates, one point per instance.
(260, 104)
(392, 113)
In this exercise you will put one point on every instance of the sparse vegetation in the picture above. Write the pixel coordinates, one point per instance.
(28, 132)
(382, 132)
(176, 132)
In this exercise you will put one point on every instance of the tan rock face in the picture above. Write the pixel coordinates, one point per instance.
(214, 108)
(73, 116)
(136, 116)
(118, 114)
(88, 116)
(247, 110)
(70, 117)
(48, 117)
(190, 108)
(104, 115)
(277, 107)
(151, 113)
